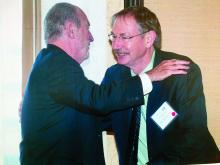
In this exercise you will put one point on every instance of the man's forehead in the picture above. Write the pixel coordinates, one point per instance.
(84, 17)
(125, 23)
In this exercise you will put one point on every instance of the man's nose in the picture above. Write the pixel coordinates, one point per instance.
(91, 39)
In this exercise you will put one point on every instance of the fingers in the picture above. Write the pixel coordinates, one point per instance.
(174, 62)
(178, 67)
(167, 68)
(175, 72)
(174, 65)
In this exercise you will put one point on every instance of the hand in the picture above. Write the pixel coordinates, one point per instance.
(167, 68)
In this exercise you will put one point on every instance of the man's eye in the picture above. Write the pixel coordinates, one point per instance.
(125, 37)
(114, 36)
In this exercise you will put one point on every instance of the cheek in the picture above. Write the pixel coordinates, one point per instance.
(134, 49)
(86, 36)
(138, 48)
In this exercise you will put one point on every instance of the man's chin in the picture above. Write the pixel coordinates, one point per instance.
(87, 56)
(122, 60)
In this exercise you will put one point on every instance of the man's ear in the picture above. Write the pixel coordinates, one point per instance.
(70, 29)
(150, 38)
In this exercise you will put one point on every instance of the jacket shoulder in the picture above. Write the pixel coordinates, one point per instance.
(116, 72)
(165, 55)
(117, 68)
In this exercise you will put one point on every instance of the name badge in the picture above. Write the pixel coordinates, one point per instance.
(164, 115)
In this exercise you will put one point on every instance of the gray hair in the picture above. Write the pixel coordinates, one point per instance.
(56, 18)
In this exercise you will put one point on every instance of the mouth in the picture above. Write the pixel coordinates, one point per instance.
(120, 53)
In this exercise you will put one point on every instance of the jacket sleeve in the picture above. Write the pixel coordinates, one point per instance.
(69, 86)
(107, 119)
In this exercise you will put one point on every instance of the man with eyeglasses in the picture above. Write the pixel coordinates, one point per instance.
(171, 127)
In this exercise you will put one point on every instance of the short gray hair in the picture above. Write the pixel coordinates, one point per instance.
(56, 18)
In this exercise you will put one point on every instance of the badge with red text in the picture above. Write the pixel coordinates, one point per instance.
(164, 115)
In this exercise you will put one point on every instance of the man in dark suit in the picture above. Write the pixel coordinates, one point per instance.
(171, 127)
(56, 122)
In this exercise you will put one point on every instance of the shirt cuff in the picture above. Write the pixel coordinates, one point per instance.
(146, 83)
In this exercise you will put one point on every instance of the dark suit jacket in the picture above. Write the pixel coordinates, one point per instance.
(55, 122)
(186, 139)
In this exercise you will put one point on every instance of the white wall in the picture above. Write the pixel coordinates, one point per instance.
(10, 80)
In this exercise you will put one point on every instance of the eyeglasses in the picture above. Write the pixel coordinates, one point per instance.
(112, 36)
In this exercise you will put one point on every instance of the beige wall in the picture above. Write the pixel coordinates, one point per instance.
(191, 28)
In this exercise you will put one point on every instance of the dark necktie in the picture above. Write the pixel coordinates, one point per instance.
(134, 132)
